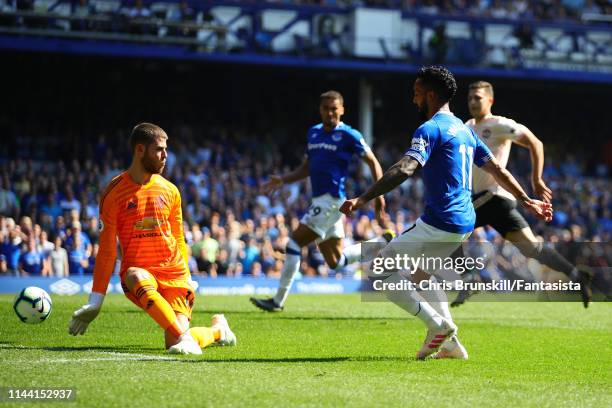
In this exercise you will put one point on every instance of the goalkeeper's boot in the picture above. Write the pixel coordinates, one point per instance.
(186, 345)
(435, 338)
(269, 305)
(452, 348)
(228, 338)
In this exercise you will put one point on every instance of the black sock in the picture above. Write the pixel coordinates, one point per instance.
(553, 259)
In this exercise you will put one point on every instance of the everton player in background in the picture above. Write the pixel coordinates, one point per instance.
(331, 146)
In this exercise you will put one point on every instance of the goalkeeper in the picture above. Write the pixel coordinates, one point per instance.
(143, 210)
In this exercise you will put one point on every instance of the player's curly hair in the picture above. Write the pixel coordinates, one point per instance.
(440, 80)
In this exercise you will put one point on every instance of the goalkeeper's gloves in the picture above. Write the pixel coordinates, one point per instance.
(86, 314)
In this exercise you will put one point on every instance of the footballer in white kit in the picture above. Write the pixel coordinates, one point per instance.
(497, 207)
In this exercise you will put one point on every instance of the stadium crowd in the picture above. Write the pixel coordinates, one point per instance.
(185, 12)
(49, 213)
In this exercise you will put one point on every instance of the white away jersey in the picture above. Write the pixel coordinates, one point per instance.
(497, 132)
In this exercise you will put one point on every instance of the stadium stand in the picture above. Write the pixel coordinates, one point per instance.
(565, 35)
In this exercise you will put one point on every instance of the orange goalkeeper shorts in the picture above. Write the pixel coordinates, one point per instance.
(177, 292)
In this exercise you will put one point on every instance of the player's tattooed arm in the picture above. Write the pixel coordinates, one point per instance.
(392, 178)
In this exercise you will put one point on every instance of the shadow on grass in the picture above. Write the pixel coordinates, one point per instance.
(258, 314)
(344, 318)
(199, 312)
(368, 359)
(128, 349)
(131, 348)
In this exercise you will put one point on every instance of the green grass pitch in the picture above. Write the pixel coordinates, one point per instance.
(322, 351)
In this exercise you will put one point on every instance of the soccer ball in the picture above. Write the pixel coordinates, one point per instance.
(32, 305)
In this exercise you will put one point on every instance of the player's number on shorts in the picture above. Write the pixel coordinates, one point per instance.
(314, 211)
(469, 152)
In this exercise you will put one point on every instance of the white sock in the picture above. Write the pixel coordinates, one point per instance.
(438, 300)
(413, 303)
(353, 252)
(341, 263)
(290, 268)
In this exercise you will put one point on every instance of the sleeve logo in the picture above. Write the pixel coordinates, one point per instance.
(419, 144)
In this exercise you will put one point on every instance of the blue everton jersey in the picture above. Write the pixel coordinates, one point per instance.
(329, 155)
(446, 149)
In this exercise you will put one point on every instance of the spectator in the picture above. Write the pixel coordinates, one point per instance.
(58, 259)
(211, 245)
(31, 261)
(51, 207)
(78, 261)
(438, 44)
(82, 9)
(3, 265)
(84, 242)
(139, 10)
(249, 255)
(8, 200)
(69, 202)
(11, 249)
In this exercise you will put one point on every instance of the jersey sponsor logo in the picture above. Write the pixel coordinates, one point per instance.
(486, 133)
(324, 146)
(147, 235)
(420, 144)
(131, 205)
(336, 137)
(147, 224)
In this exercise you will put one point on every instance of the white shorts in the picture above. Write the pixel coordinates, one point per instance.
(324, 217)
(427, 242)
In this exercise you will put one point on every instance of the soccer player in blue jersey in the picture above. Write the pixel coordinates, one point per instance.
(331, 147)
(445, 148)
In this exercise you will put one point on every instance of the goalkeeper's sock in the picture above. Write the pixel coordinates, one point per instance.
(205, 336)
(156, 306)
(290, 268)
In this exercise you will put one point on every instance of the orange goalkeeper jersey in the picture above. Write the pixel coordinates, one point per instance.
(148, 221)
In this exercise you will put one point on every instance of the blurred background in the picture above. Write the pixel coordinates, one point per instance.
(236, 84)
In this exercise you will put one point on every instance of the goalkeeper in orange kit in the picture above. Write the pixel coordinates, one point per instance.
(143, 210)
